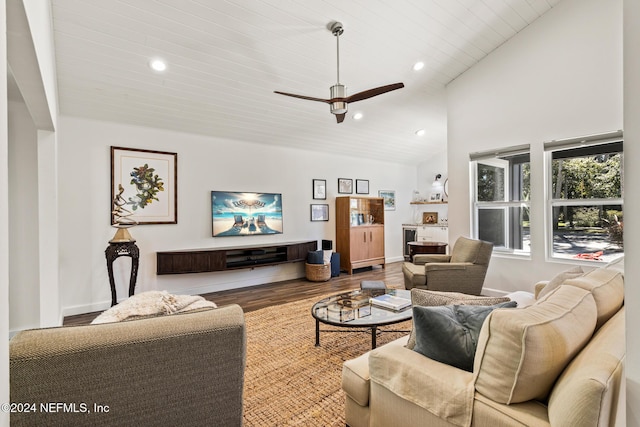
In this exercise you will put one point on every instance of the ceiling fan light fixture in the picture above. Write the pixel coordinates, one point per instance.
(338, 91)
(158, 65)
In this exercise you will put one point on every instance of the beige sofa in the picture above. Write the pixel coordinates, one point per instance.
(557, 362)
(183, 369)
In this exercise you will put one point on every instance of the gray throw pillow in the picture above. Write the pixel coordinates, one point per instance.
(427, 298)
(449, 333)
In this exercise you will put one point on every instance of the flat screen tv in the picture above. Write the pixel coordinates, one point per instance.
(245, 214)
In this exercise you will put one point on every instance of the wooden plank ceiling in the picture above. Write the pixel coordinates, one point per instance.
(225, 59)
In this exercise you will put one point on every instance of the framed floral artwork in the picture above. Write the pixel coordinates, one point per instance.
(149, 181)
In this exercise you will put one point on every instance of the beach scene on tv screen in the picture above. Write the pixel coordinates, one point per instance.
(242, 214)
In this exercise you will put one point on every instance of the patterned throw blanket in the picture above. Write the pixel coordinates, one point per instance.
(151, 304)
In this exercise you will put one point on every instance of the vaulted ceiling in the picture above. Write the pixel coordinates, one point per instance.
(225, 59)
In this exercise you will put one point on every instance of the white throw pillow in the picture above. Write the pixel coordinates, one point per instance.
(523, 298)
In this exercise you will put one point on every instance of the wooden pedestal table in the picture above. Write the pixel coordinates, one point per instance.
(118, 249)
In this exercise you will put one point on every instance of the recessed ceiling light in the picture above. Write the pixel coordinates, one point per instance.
(418, 66)
(358, 116)
(158, 65)
(421, 132)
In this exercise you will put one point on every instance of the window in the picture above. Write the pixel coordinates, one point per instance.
(585, 198)
(501, 199)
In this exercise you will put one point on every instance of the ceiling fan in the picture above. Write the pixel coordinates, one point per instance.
(339, 98)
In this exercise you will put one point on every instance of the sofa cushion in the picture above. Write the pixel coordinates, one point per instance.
(443, 390)
(559, 279)
(423, 297)
(449, 333)
(521, 353)
(414, 274)
(617, 265)
(586, 392)
(355, 379)
(607, 287)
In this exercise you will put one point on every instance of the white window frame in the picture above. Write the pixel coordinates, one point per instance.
(557, 145)
(493, 158)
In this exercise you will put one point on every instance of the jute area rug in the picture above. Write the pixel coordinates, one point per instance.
(289, 381)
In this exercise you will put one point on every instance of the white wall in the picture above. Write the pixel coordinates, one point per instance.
(4, 220)
(204, 164)
(632, 204)
(30, 56)
(24, 278)
(560, 77)
(427, 171)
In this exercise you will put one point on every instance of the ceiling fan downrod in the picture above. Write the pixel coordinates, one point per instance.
(338, 90)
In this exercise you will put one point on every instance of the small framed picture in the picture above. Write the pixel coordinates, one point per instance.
(389, 199)
(429, 217)
(319, 189)
(319, 212)
(435, 197)
(362, 186)
(345, 186)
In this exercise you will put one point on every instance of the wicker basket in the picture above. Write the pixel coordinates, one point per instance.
(318, 272)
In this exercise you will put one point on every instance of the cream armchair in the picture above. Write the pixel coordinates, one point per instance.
(462, 271)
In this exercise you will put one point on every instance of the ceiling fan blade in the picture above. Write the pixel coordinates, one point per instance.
(373, 92)
(309, 98)
(340, 117)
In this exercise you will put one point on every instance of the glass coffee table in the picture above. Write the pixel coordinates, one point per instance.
(353, 310)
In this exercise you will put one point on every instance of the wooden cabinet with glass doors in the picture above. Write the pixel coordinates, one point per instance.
(359, 232)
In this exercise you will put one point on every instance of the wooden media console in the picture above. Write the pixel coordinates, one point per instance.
(231, 258)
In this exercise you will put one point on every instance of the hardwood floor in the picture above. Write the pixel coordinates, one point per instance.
(260, 296)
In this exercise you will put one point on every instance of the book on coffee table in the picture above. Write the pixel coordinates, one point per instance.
(391, 302)
(354, 301)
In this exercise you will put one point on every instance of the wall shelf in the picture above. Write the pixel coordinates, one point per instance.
(231, 258)
(428, 203)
